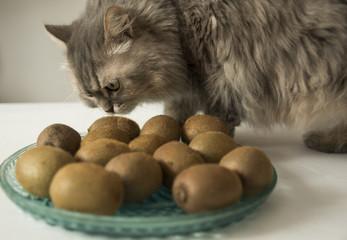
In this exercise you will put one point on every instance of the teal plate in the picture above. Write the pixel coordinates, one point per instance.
(157, 217)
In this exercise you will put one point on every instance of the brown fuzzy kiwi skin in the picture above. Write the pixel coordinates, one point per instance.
(36, 167)
(198, 124)
(141, 175)
(146, 143)
(163, 126)
(206, 187)
(101, 151)
(116, 122)
(98, 133)
(87, 188)
(213, 145)
(61, 136)
(253, 166)
(174, 157)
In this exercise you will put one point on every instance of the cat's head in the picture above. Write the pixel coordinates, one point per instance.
(121, 57)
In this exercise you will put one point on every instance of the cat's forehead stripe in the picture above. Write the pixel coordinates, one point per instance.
(119, 48)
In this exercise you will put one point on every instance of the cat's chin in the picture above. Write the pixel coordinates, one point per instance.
(124, 108)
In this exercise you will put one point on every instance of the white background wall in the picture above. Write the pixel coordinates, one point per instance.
(30, 63)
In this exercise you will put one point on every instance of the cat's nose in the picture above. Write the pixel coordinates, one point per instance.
(117, 107)
(110, 110)
(107, 108)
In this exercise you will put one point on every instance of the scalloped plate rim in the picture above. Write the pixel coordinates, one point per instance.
(72, 217)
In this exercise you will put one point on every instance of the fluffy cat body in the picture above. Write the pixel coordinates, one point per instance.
(263, 62)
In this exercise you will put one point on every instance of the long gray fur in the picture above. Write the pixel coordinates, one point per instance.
(263, 62)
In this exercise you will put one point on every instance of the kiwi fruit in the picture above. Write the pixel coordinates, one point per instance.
(140, 172)
(206, 187)
(61, 136)
(198, 124)
(174, 157)
(112, 133)
(115, 122)
(87, 188)
(253, 166)
(36, 167)
(101, 151)
(213, 145)
(164, 126)
(146, 143)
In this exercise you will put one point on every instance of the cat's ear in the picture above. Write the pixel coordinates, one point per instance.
(61, 33)
(118, 21)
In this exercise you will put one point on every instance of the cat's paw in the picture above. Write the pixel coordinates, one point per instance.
(232, 129)
(179, 111)
(324, 142)
(175, 114)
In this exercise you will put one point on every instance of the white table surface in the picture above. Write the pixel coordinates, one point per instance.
(309, 202)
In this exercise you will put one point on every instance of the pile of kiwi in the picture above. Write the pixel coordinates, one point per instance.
(117, 162)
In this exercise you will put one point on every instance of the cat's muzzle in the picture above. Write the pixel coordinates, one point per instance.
(123, 108)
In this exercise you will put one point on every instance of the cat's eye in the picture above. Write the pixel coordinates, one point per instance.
(128, 35)
(113, 86)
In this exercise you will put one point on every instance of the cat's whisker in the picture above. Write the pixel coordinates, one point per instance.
(69, 97)
(64, 66)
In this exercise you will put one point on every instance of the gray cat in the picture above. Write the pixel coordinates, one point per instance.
(263, 62)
